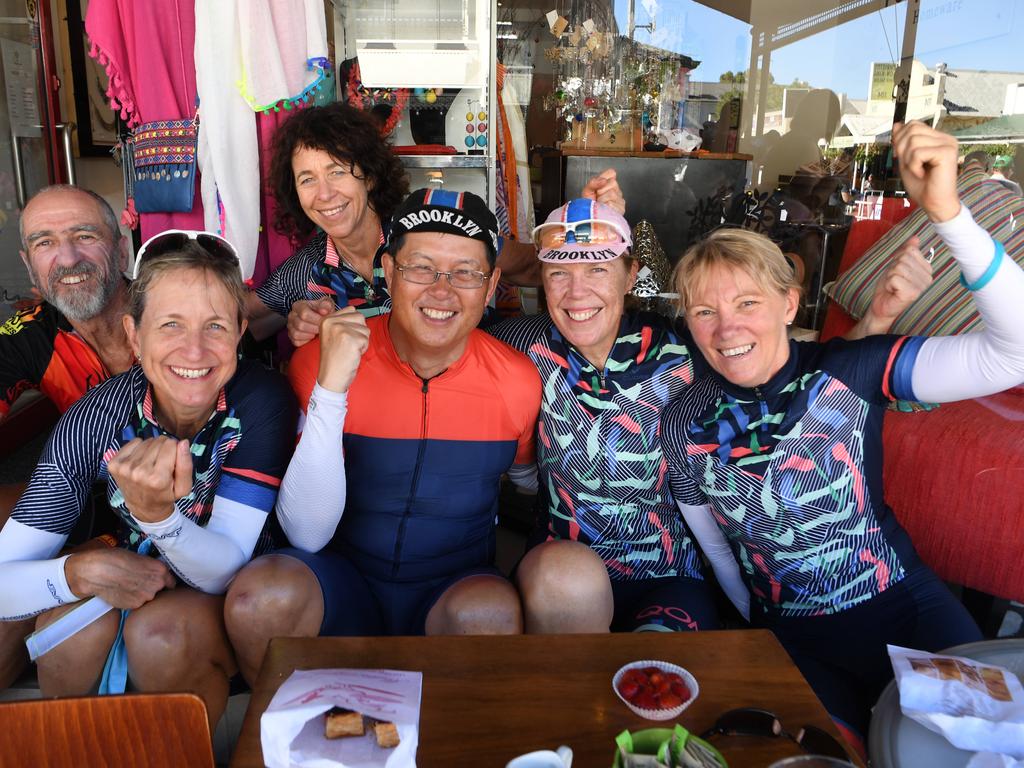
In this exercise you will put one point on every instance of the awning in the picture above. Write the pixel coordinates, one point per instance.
(1008, 129)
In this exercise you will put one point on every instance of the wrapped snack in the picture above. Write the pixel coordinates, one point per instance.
(665, 748)
(349, 718)
(975, 706)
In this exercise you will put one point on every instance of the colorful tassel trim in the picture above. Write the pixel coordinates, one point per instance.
(121, 99)
(320, 64)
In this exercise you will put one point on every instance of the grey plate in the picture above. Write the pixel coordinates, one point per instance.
(899, 742)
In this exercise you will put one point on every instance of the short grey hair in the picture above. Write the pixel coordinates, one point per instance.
(109, 217)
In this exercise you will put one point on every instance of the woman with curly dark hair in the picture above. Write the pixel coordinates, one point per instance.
(331, 170)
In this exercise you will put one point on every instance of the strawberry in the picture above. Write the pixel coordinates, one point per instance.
(646, 700)
(634, 676)
(672, 677)
(670, 701)
(628, 689)
(650, 671)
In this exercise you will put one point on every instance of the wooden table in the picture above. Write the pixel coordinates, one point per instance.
(488, 699)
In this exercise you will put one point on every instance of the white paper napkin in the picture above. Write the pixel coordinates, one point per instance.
(292, 728)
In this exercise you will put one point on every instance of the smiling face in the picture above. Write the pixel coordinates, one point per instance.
(739, 325)
(187, 342)
(434, 321)
(71, 254)
(586, 301)
(333, 195)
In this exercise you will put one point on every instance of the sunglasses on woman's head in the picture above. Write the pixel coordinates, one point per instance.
(589, 232)
(175, 240)
(750, 721)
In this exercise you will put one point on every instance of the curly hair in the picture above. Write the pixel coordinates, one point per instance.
(352, 137)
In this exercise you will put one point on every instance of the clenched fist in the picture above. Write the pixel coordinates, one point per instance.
(152, 474)
(928, 167)
(605, 189)
(344, 338)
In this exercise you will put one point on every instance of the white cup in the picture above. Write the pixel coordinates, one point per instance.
(543, 758)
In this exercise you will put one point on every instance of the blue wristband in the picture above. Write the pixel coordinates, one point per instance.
(986, 278)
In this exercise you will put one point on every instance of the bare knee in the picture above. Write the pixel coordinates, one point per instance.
(271, 592)
(154, 632)
(565, 588)
(477, 605)
(74, 666)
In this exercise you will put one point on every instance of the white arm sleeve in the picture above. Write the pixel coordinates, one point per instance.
(716, 548)
(312, 495)
(524, 476)
(30, 581)
(951, 368)
(208, 558)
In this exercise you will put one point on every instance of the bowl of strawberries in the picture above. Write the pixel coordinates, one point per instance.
(655, 690)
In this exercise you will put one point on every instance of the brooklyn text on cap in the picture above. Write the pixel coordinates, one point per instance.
(582, 230)
(450, 212)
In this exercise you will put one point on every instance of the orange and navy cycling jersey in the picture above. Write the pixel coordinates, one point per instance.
(40, 350)
(424, 458)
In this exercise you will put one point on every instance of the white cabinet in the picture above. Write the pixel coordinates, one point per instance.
(443, 51)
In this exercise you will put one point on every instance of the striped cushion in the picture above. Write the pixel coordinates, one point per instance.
(946, 307)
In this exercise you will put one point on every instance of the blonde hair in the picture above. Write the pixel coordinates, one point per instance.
(755, 254)
(191, 256)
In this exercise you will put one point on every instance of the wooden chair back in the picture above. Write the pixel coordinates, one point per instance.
(161, 730)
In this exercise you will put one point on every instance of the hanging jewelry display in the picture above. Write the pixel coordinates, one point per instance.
(360, 96)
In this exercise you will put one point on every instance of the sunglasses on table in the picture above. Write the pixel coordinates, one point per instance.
(587, 232)
(750, 721)
(175, 240)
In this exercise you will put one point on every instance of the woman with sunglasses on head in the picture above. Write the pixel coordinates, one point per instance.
(780, 444)
(191, 444)
(614, 549)
(610, 549)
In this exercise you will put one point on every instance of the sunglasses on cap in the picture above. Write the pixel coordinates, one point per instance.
(750, 721)
(175, 240)
(587, 232)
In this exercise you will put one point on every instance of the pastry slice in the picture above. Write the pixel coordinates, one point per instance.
(340, 723)
(386, 734)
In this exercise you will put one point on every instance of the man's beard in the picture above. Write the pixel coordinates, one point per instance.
(78, 302)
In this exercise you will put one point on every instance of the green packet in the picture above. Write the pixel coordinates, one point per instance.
(665, 748)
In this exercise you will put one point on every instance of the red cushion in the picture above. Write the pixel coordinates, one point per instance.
(955, 479)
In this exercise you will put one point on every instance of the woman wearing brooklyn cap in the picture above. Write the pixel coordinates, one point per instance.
(603, 490)
(606, 374)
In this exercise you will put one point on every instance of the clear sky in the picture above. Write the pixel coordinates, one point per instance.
(965, 34)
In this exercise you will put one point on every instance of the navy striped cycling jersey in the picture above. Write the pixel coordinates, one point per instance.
(240, 454)
(317, 270)
(602, 476)
(792, 471)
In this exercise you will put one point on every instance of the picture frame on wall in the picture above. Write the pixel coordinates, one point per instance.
(97, 123)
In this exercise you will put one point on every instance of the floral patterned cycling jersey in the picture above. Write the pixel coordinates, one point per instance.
(792, 471)
(603, 479)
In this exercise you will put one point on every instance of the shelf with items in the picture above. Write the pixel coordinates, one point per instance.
(431, 62)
